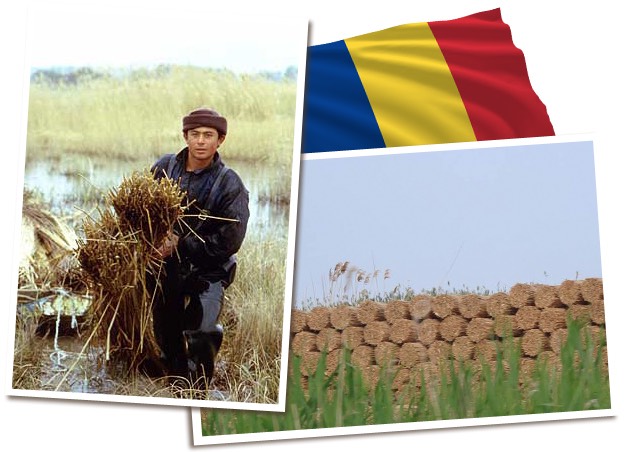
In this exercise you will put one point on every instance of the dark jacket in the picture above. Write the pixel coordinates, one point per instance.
(211, 243)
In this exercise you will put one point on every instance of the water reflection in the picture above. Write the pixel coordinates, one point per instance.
(87, 184)
(66, 365)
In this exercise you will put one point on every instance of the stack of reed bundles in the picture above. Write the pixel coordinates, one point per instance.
(427, 333)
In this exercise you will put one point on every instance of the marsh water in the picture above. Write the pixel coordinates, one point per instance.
(71, 189)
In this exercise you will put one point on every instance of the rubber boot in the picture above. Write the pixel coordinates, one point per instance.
(202, 348)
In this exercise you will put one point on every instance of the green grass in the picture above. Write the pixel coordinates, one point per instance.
(577, 382)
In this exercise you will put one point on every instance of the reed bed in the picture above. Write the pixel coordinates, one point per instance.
(117, 256)
(137, 115)
(252, 319)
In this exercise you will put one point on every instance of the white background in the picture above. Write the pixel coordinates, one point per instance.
(572, 52)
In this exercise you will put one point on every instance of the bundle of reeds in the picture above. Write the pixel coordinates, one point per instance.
(47, 247)
(118, 257)
(146, 206)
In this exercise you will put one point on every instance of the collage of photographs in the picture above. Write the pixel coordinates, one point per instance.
(311, 225)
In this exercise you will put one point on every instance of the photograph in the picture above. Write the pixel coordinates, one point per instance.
(159, 206)
(449, 282)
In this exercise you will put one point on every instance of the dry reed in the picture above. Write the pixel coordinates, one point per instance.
(534, 342)
(444, 305)
(404, 330)
(498, 304)
(570, 292)
(420, 307)
(47, 248)
(463, 348)
(352, 336)
(528, 317)
(479, 329)
(318, 318)
(298, 321)
(344, 316)
(302, 342)
(597, 312)
(552, 319)
(522, 295)
(412, 353)
(117, 255)
(592, 290)
(547, 297)
(472, 306)
(396, 310)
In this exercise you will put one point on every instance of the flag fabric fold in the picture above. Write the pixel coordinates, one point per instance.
(449, 81)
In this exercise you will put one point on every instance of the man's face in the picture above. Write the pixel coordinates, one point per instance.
(202, 142)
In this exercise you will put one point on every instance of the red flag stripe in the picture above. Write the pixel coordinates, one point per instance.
(491, 76)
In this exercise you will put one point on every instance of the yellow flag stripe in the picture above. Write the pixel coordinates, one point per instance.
(410, 87)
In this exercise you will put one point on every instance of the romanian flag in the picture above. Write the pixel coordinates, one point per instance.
(449, 81)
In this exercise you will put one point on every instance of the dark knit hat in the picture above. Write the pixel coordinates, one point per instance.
(205, 117)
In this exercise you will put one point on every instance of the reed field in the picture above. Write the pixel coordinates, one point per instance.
(138, 116)
(106, 126)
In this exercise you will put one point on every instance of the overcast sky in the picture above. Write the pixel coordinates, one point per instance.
(58, 35)
(478, 217)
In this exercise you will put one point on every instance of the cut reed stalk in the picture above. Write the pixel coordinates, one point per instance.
(117, 257)
(472, 306)
(522, 295)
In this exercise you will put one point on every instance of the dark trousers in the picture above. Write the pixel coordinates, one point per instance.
(184, 302)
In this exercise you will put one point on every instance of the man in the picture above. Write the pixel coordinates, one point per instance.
(199, 255)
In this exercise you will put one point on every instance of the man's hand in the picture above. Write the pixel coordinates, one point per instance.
(169, 246)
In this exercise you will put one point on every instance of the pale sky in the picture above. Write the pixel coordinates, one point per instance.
(131, 37)
(487, 218)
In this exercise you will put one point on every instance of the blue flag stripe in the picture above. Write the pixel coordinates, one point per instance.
(337, 113)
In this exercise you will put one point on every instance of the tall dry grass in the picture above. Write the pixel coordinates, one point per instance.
(138, 115)
(252, 319)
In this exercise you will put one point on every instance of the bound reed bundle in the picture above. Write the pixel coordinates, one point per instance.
(318, 318)
(528, 317)
(522, 295)
(328, 339)
(480, 329)
(117, 256)
(412, 353)
(304, 341)
(298, 321)
(472, 306)
(344, 316)
(47, 247)
(146, 206)
(463, 349)
(352, 336)
(404, 330)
